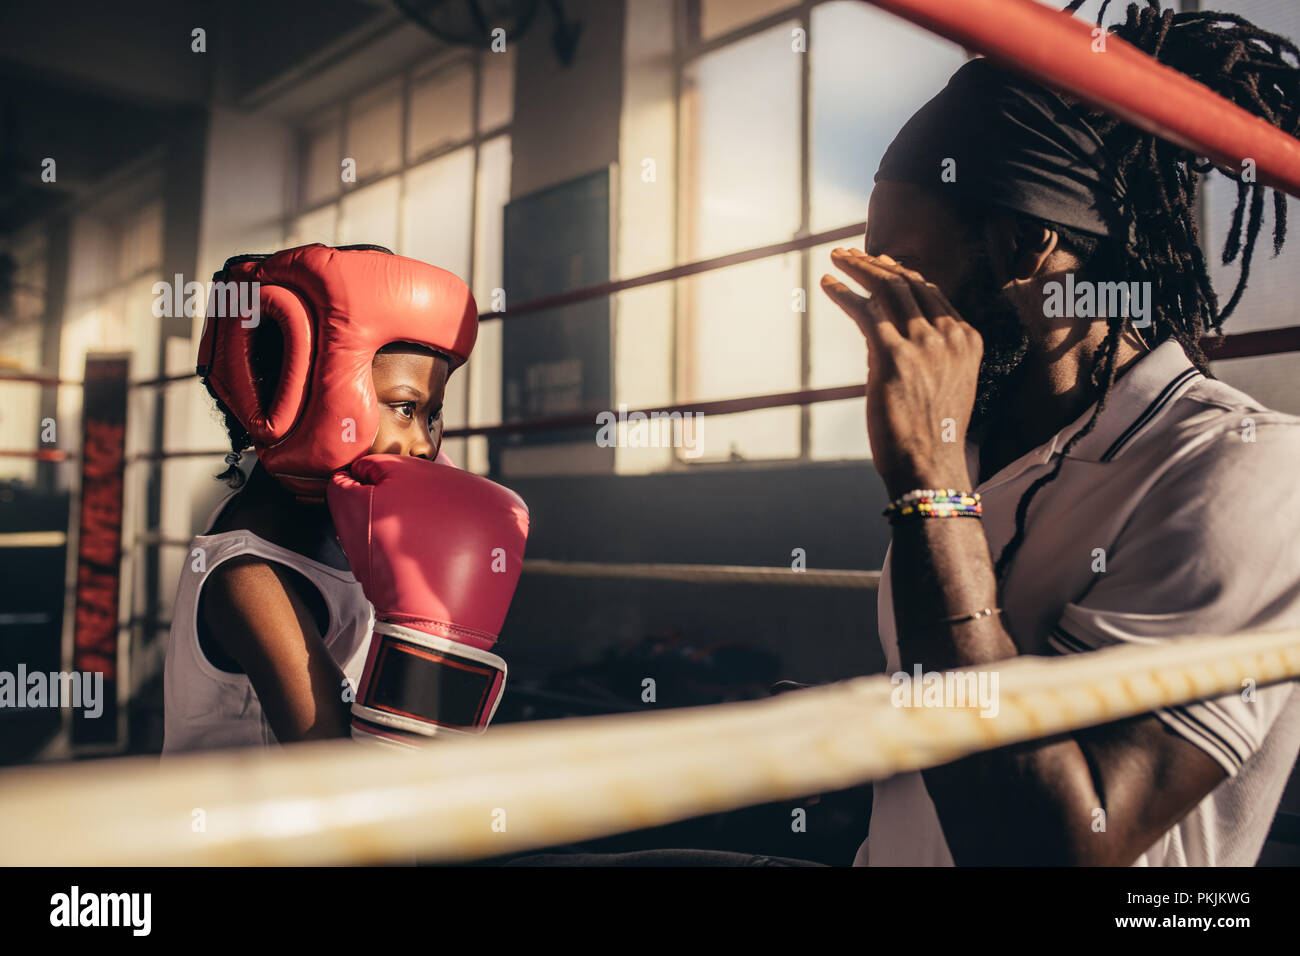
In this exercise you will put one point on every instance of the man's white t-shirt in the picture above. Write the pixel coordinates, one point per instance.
(1188, 488)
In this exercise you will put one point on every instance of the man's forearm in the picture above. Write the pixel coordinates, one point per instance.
(1027, 803)
(940, 569)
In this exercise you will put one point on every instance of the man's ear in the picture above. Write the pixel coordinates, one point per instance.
(1026, 246)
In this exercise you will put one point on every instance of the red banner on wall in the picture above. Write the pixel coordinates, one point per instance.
(99, 541)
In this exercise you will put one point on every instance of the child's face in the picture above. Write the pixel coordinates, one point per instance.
(410, 386)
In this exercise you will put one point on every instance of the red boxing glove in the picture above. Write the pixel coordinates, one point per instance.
(438, 552)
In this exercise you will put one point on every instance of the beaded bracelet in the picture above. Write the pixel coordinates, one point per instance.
(935, 503)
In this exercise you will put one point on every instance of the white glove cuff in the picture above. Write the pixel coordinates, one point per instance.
(424, 684)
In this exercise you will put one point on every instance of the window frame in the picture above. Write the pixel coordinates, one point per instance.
(339, 114)
(689, 48)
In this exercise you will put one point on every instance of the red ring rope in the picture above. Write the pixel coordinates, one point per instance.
(1055, 48)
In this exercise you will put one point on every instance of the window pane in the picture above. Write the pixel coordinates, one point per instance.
(838, 430)
(1269, 379)
(643, 366)
(1274, 287)
(769, 433)
(493, 192)
(455, 406)
(322, 155)
(141, 330)
(437, 209)
(370, 215)
(648, 135)
(856, 49)
(838, 352)
(454, 448)
(374, 131)
(29, 282)
(114, 324)
(497, 97)
(838, 356)
(1116, 12)
(441, 110)
(484, 369)
(91, 262)
(720, 16)
(741, 138)
(177, 397)
(489, 240)
(318, 226)
(82, 331)
(740, 336)
(141, 242)
(20, 425)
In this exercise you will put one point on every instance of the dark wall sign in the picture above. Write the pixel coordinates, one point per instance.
(557, 362)
(99, 542)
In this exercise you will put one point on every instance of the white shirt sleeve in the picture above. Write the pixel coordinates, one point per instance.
(1213, 547)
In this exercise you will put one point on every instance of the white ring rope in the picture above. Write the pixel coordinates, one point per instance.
(527, 786)
(706, 573)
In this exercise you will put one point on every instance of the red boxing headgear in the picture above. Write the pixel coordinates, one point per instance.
(335, 309)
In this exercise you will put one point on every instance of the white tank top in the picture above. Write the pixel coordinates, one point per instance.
(205, 707)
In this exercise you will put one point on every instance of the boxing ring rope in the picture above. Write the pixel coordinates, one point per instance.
(1055, 49)
(706, 574)
(33, 539)
(846, 578)
(528, 786)
(1217, 348)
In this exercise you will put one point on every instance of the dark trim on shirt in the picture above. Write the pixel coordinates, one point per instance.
(1152, 410)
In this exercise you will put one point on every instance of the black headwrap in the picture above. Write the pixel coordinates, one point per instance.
(1015, 144)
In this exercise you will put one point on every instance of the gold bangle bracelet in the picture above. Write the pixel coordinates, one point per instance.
(963, 618)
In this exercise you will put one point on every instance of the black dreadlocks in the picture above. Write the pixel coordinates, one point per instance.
(1256, 70)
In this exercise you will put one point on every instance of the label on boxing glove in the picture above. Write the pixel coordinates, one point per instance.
(425, 684)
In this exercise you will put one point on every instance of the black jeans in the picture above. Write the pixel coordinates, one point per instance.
(658, 858)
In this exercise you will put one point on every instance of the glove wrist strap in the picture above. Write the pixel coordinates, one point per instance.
(421, 683)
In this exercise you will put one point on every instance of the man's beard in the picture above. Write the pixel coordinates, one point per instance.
(981, 302)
